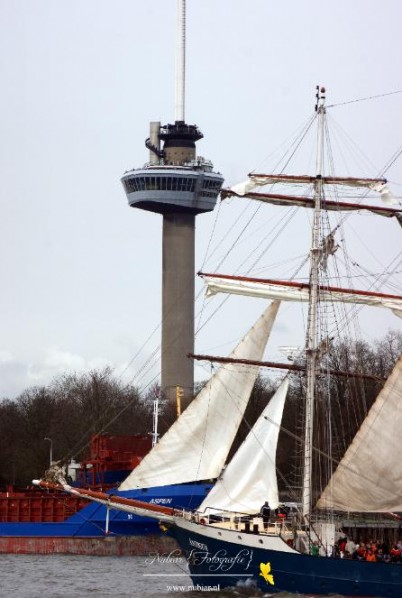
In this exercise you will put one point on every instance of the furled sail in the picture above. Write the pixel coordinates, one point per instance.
(250, 477)
(258, 180)
(293, 291)
(306, 202)
(369, 477)
(197, 444)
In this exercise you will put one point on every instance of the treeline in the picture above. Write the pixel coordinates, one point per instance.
(67, 411)
(73, 407)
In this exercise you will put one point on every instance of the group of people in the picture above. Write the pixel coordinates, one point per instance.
(265, 513)
(372, 551)
(375, 551)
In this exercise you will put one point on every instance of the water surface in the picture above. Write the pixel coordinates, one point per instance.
(64, 576)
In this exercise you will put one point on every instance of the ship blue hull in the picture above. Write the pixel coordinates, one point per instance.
(91, 520)
(230, 564)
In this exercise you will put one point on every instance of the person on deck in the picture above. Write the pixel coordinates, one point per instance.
(265, 513)
(361, 552)
(370, 556)
(350, 546)
(395, 553)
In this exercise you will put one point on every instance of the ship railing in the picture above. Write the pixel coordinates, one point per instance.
(241, 522)
(183, 514)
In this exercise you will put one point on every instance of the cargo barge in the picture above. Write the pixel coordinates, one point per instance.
(36, 522)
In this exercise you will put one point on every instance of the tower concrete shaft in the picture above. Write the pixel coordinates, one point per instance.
(178, 303)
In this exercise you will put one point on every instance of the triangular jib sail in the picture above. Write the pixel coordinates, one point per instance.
(250, 477)
(197, 444)
(369, 477)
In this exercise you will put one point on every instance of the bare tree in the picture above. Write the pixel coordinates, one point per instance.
(68, 411)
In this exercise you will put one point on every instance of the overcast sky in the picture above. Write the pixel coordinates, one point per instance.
(80, 81)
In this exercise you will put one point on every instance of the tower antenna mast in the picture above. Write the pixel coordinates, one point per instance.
(180, 61)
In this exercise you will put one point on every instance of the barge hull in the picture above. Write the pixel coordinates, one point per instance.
(107, 546)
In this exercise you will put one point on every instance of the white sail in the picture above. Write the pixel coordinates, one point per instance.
(369, 477)
(267, 290)
(250, 477)
(197, 444)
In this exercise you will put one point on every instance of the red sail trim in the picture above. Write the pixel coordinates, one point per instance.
(300, 285)
(130, 502)
(306, 202)
(304, 178)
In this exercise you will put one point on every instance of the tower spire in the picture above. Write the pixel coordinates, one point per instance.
(180, 61)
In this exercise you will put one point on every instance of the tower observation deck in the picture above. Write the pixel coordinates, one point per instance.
(178, 185)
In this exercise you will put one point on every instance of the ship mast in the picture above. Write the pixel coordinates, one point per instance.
(313, 292)
(312, 340)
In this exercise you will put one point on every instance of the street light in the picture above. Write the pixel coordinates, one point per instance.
(51, 450)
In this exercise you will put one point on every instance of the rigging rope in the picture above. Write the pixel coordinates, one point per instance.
(382, 95)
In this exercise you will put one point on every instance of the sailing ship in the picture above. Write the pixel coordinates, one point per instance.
(225, 540)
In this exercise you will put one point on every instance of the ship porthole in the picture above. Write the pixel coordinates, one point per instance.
(260, 541)
(239, 537)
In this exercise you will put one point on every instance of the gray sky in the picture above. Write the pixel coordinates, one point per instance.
(80, 82)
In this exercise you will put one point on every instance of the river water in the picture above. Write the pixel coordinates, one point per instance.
(64, 576)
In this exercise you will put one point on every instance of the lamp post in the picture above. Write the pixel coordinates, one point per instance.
(50, 450)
